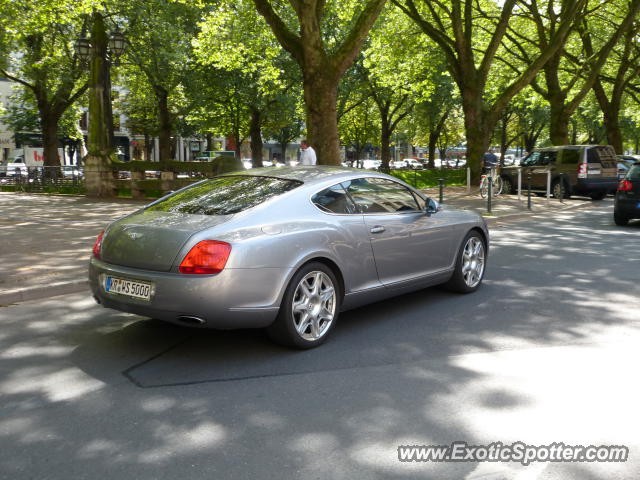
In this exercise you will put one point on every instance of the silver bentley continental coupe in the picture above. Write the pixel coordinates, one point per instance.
(285, 249)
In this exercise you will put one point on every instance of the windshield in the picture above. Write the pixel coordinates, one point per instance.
(225, 195)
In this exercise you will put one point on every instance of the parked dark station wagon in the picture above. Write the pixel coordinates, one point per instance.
(588, 170)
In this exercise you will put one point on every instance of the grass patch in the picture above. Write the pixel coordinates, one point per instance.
(430, 178)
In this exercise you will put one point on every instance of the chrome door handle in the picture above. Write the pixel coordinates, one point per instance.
(377, 229)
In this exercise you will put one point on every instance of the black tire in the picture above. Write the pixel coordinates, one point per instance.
(598, 196)
(457, 282)
(559, 186)
(507, 186)
(620, 220)
(283, 330)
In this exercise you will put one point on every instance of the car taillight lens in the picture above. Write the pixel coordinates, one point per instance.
(97, 246)
(625, 186)
(582, 170)
(207, 257)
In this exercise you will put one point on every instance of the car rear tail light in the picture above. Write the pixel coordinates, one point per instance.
(207, 257)
(582, 170)
(625, 186)
(97, 246)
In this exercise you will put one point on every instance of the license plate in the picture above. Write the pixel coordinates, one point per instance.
(128, 288)
(595, 172)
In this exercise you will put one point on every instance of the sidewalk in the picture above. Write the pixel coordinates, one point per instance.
(46, 240)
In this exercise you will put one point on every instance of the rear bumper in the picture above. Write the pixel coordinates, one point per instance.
(234, 298)
(627, 207)
(586, 186)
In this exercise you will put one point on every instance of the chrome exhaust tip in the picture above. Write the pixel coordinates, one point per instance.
(191, 320)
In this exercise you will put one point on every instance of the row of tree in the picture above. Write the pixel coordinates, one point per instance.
(354, 72)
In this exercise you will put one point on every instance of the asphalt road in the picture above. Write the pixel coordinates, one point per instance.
(546, 351)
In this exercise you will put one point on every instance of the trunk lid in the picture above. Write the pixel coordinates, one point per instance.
(151, 240)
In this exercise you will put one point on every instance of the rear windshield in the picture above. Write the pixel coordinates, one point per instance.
(225, 195)
(634, 173)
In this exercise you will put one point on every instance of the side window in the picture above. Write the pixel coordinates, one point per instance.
(547, 158)
(532, 159)
(334, 200)
(379, 195)
(570, 156)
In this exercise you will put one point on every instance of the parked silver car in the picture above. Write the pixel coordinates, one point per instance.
(285, 249)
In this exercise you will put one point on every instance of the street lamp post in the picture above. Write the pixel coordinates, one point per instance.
(98, 51)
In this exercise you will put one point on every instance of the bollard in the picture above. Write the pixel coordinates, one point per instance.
(519, 184)
(561, 191)
(441, 182)
(529, 189)
(548, 185)
(468, 180)
(489, 192)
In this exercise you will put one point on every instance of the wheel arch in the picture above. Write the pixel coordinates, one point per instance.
(333, 266)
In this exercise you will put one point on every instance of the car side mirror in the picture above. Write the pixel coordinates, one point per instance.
(432, 207)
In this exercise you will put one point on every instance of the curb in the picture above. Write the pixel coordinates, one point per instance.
(42, 291)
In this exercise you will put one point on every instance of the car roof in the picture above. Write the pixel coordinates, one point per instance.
(309, 174)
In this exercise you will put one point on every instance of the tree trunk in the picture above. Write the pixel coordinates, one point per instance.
(50, 140)
(478, 130)
(209, 142)
(559, 125)
(611, 115)
(255, 130)
(320, 95)
(166, 127)
(283, 150)
(385, 140)
(433, 139)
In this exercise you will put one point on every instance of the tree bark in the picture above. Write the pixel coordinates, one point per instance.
(166, 124)
(50, 140)
(385, 141)
(320, 96)
(255, 131)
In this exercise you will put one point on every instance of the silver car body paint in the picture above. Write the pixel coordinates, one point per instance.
(270, 242)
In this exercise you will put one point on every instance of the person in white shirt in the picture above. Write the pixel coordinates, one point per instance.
(308, 156)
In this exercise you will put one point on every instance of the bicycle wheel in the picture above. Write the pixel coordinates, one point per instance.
(497, 186)
(484, 187)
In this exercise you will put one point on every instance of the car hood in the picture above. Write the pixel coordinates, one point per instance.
(152, 240)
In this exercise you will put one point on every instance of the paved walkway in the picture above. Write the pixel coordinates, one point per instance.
(46, 240)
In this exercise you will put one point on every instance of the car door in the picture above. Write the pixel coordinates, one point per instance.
(408, 245)
(546, 161)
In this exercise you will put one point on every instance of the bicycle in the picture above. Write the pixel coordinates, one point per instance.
(496, 181)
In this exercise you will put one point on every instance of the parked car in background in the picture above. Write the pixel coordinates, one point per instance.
(589, 170)
(413, 164)
(398, 164)
(371, 164)
(14, 167)
(627, 200)
(285, 249)
(624, 164)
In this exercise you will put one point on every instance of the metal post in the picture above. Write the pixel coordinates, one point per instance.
(468, 180)
(441, 181)
(529, 189)
(519, 184)
(561, 191)
(490, 192)
(548, 185)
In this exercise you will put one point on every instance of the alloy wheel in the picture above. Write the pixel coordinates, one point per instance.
(314, 305)
(473, 260)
